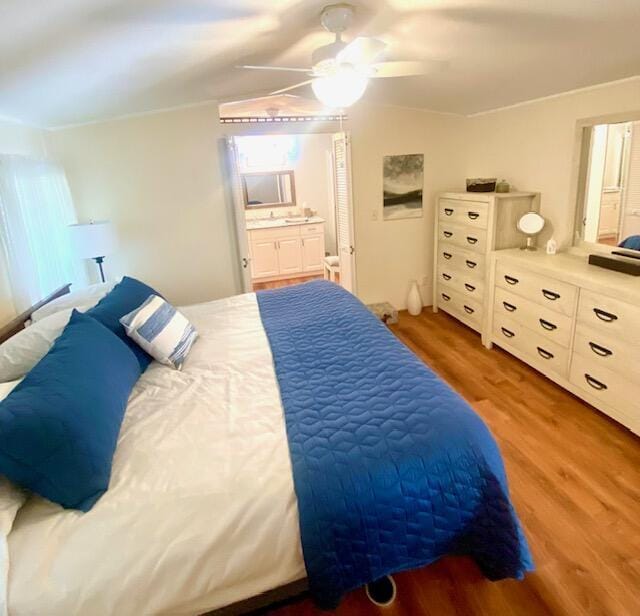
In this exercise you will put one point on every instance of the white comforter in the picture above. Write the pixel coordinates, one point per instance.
(201, 510)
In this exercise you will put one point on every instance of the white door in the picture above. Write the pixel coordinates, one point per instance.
(239, 217)
(344, 210)
(312, 252)
(264, 258)
(290, 256)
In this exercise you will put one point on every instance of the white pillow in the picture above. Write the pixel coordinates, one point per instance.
(161, 331)
(11, 499)
(26, 348)
(87, 297)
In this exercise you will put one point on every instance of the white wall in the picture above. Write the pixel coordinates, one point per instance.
(159, 178)
(532, 145)
(26, 141)
(392, 253)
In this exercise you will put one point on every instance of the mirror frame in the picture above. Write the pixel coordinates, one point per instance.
(580, 168)
(245, 195)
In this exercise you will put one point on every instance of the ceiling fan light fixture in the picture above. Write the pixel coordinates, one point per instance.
(340, 89)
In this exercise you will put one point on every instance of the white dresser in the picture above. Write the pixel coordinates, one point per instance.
(468, 227)
(576, 323)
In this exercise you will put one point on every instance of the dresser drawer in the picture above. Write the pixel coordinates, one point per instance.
(549, 323)
(275, 233)
(466, 309)
(462, 282)
(461, 259)
(554, 294)
(472, 213)
(606, 385)
(311, 229)
(543, 353)
(608, 352)
(610, 316)
(471, 239)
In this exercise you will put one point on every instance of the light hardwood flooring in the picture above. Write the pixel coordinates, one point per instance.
(575, 482)
(285, 282)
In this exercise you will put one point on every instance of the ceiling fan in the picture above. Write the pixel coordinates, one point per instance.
(341, 71)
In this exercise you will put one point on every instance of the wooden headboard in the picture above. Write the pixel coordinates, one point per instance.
(17, 324)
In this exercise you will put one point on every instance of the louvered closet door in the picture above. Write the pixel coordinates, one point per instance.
(344, 215)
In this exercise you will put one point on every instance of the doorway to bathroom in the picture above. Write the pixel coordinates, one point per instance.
(293, 211)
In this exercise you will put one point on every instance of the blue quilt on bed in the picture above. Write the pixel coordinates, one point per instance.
(392, 469)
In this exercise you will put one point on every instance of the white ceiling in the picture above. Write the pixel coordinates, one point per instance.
(72, 61)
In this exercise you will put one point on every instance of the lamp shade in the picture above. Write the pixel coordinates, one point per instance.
(95, 239)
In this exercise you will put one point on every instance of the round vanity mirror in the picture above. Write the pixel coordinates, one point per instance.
(530, 224)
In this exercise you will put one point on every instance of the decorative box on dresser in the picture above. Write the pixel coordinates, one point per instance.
(576, 323)
(468, 227)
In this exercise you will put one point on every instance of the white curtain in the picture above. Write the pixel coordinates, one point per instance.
(35, 211)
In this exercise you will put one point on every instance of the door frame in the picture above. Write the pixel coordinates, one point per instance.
(243, 251)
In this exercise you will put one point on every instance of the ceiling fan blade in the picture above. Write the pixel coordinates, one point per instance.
(405, 68)
(362, 50)
(275, 68)
(298, 85)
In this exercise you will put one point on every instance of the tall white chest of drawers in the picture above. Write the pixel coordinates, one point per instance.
(468, 227)
(576, 323)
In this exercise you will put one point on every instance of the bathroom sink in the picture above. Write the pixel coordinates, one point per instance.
(297, 219)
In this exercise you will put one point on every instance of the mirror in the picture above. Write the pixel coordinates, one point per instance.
(609, 184)
(530, 224)
(268, 189)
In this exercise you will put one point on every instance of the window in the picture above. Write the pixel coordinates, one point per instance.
(35, 210)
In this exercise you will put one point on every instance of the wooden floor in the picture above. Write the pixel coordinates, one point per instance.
(286, 282)
(575, 482)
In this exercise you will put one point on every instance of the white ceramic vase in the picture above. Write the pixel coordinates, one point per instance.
(414, 301)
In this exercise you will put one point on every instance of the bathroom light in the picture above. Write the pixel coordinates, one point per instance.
(340, 89)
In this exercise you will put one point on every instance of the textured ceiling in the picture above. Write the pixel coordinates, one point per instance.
(72, 61)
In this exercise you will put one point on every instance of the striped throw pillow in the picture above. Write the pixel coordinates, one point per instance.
(162, 331)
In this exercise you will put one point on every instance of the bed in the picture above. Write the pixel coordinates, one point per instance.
(204, 506)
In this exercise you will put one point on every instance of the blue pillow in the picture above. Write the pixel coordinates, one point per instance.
(60, 425)
(126, 296)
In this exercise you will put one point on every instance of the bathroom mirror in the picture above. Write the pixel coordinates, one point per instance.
(608, 190)
(530, 224)
(268, 189)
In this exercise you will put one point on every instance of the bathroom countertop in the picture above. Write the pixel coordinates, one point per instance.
(269, 223)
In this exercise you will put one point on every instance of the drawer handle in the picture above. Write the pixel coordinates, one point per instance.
(509, 307)
(594, 382)
(447, 255)
(471, 264)
(469, 287)
(446, 276)
(468, 309)
(445, 297)
(600, 350)
(548, 326)
(447, 233)
(448, 211)
(511, 280)
(472, 240)
(473, 215)
(552, 295)
(607, 317)
(508, 333)
(544, 353)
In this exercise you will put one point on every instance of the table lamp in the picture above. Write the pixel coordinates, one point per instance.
(94, 241)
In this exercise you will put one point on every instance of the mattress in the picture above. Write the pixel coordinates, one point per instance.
(201, 510)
